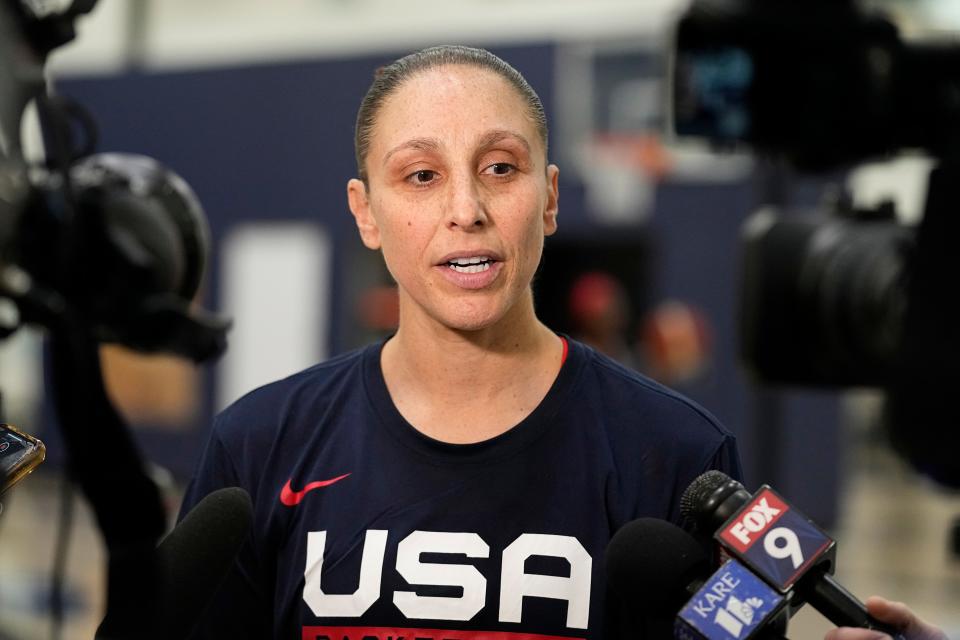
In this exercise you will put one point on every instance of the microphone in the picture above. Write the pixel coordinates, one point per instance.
(654, 566)
(778, 543)
(194, 558)
(189, 563)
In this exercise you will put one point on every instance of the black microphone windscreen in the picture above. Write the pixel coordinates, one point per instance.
(711, 499)
(651, 563)
(195, 556)
(700, 489)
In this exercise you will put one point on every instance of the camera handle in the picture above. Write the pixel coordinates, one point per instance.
(104, 461)
(920, 405)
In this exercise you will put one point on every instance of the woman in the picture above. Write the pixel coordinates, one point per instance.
(466, 474)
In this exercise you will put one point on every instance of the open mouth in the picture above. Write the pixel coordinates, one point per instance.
(475, 264)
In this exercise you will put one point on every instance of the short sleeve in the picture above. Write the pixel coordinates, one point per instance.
(726, 458)
(242, 606)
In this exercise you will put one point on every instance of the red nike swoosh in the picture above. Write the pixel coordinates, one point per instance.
(291, 498)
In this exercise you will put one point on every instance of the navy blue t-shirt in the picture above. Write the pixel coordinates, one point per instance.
(366, 528)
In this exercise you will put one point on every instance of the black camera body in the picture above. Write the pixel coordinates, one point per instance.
(817, 81)
(94, 248)
(839, 297)
(115, 243)
(824, 295)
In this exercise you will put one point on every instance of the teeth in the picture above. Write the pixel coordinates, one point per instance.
(474, 264)
(470, 268)
(466, 261)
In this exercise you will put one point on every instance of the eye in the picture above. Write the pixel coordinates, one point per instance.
(500, 169)
(424, 176)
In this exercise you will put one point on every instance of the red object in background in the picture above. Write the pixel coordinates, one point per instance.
(594, 298)
(379, 308)
(600, 313)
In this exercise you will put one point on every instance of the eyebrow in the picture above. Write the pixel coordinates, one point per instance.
(492, 138)
(489, 139)
(421, 144)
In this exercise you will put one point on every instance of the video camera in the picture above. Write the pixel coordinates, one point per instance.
(845, 296)
(95, 248)
(114, 241)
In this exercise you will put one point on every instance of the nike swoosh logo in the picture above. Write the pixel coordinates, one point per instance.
(292, 498)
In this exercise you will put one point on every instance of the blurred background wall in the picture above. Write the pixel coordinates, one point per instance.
(253, 103)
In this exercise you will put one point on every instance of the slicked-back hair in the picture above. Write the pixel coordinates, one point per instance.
(391, 77)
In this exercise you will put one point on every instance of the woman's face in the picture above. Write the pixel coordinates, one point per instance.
(459, 196)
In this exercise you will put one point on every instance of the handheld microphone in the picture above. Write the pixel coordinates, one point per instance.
(194, 557)
(778, 543)
(190, 563)
(654, 567)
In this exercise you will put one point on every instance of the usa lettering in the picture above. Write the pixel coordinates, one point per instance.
(515, 583)
(754, 521)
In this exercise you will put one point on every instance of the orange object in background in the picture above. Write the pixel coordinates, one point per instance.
(676, 342)
(159, 390)
(379, 308)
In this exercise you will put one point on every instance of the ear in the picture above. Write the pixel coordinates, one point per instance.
(553, 200)
(359, 202)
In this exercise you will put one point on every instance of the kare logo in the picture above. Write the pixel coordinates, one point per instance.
(732, 604)
(737, 614)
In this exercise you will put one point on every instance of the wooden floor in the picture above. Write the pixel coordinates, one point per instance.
(894, 540)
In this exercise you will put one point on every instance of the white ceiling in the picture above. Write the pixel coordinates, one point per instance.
(185, 33)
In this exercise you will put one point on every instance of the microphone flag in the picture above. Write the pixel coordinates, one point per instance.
(733, 604)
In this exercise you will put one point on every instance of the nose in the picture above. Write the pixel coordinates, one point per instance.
(465, 206)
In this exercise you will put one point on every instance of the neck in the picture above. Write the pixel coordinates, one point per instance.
(439, 356)
(495, 375)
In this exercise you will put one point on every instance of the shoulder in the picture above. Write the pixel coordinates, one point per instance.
(261, 412)
(657, 439)
(637, 398)
(264, 432)
(642, 419)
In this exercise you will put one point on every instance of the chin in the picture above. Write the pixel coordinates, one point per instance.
(475, 312)
(470, 323)
(472, 319)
